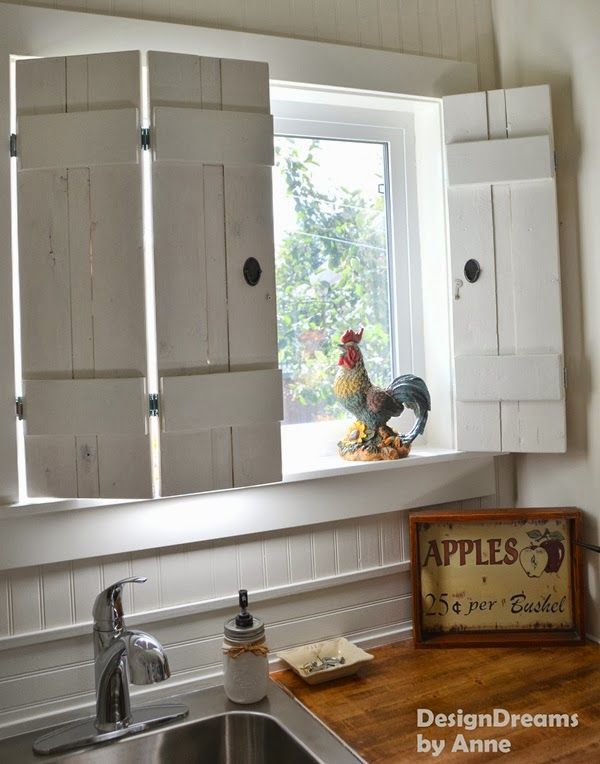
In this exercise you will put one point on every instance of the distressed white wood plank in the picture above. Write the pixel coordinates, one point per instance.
(507, 160)
(534, 426)
(79, 139)
(478, 426)
(251, 564)
(471, 236)
(347, 553)
(509, 378)
(125, 466)
(256, 454)
(528, 111)
(180, 268)
(71, 406)
(505, 277)
(41, 87)
(301, 562)
(86, 455)
(51, 466)
(324, 552)
(207, 400)
(228, 138)
(465, 118)
(277, 563)
(346, 22)
(56, 589)
(26, 600)
(190, 267)
(174, 78)
(249, 232)
(81, 277)
(244, 86)
(44, 272)
(187, 463)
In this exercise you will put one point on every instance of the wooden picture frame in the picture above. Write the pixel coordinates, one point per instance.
(497, 577)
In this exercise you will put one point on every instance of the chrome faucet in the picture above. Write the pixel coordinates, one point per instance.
(118, 651)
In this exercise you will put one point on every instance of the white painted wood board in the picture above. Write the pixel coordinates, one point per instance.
(212, 137)
(78, 139)
(202, 401)
(509, 378)
(209, 320)
(504, 160)
(508, 223)
(75, 406)
(82, 282)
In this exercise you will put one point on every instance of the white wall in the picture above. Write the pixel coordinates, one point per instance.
(454, 29)
(550, 41)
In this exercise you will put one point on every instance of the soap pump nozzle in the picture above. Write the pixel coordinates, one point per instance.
(244, 619)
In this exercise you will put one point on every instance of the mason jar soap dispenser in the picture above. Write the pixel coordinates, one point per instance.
(245, 663)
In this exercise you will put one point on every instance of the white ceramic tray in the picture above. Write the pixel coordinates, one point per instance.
(353, 656)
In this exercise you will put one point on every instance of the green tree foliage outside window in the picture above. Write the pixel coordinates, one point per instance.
(332, 273)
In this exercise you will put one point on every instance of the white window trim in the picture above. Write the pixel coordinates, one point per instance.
(39, 534)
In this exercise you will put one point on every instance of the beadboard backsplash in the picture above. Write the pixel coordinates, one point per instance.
(348, 578)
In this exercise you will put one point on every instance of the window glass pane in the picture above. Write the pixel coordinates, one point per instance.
(331, 258)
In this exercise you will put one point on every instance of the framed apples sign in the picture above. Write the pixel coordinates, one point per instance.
(496, 577)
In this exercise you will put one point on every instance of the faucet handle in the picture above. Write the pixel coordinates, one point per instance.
(108, 608)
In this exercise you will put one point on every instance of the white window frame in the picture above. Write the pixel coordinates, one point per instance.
(55, 531)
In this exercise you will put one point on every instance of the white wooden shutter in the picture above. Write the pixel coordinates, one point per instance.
(82, 276)
(220, 389)
(508, 342)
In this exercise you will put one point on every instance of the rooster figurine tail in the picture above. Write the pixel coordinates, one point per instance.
(413, 394)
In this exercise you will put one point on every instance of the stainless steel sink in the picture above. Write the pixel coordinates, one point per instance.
(278, 729)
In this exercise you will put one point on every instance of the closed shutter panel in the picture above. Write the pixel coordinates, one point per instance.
(82, 276)
(220, 388)
(508, 344)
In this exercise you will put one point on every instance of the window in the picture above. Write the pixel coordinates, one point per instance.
(346, 246)
(331, 257)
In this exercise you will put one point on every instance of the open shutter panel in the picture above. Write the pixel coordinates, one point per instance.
(508, 344)
(221, 402)
(82, 276)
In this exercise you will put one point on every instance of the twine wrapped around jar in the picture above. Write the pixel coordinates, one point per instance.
(257, 648)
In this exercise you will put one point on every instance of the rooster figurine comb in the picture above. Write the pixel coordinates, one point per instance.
(370, 438)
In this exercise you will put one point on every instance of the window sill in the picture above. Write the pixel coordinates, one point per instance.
(52, 532)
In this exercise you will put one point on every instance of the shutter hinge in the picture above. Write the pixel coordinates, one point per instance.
(565, 376)
(153, 404)
(555, 161)
(13, 145)
(145, 138)
(19, 407)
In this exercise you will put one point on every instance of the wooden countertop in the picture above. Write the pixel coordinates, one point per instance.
(375, 711)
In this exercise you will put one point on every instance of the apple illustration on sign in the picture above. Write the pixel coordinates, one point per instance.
(545, 553)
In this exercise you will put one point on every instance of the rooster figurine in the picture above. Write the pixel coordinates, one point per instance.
(370, 438)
